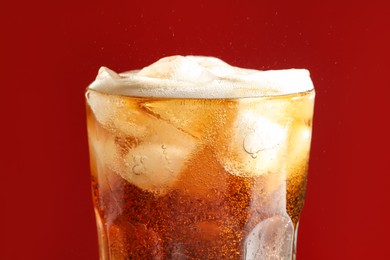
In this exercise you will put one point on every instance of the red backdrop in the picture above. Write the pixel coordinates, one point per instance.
(52, 51)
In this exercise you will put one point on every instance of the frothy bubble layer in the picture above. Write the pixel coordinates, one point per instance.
(201, 77)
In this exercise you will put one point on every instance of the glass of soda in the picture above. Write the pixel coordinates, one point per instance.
(192, 158)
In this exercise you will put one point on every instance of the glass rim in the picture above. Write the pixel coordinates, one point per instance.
(237, 97)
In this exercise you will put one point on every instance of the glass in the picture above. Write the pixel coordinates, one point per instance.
(176, 178)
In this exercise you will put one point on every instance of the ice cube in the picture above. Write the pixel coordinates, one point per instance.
(192, 116)
(255, 145)
(301, 107)
(301, 112)
(102, 148)
(271, 239)
(154, 163)
(143, 149)
(155, 166)
(299, 143)
(270, 194)
(118, 115)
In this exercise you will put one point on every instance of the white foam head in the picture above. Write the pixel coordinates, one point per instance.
(201, 77)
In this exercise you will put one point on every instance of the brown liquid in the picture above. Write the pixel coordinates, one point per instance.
(207, 211)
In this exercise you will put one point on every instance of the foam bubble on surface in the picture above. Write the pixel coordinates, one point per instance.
(201, 77)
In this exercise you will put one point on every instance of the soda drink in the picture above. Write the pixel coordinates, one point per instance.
(192, 158)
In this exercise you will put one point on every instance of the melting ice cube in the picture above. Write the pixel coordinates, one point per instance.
(255, 145)
(155, 166)
(271, 239)
(152, 151)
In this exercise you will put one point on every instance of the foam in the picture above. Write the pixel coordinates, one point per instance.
(201, 77)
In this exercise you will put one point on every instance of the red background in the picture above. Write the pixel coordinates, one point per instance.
(52, 50)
